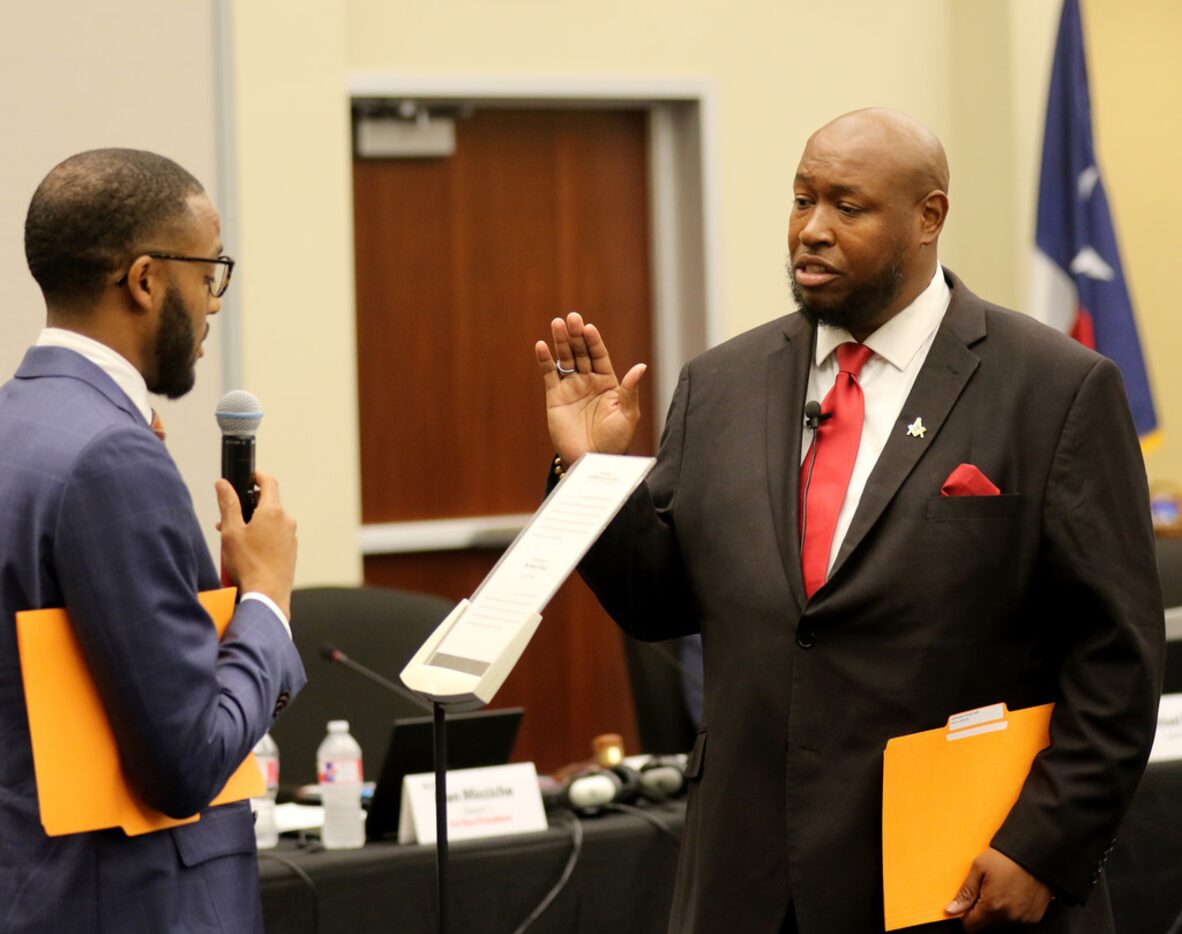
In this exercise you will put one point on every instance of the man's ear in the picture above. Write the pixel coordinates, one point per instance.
(144, 283)
(933, 210)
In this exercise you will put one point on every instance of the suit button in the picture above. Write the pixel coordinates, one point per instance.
(280, 703)
(805, 637)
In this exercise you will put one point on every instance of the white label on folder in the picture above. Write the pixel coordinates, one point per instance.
(488, 802)
(970, 718)
(1167, 743)
(978, 730)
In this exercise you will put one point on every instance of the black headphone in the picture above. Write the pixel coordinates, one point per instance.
(590, 791)
(663, 777)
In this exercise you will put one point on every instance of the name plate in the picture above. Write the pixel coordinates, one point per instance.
(487, 802)
(1167, 742)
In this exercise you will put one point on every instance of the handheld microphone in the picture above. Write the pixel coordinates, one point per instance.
(238, 414)
(333, 654)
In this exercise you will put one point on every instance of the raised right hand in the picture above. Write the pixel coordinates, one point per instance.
(589, 410)
(259, 556)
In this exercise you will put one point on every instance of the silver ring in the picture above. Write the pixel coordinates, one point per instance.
(562, 371)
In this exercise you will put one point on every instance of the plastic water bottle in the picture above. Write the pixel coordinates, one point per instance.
(266, 831)
(338, 764)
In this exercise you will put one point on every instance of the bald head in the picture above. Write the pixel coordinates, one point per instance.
(870, 202)
(895, 142)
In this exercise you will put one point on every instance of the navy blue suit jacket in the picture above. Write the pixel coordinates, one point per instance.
(94, 517)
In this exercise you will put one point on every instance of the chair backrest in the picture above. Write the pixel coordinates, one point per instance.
(662, 718)
(376, 626)
(1169, 568)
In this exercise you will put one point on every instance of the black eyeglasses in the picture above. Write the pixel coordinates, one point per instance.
(217, 283)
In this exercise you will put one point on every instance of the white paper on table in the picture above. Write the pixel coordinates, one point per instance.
(1167, 742)
(291, 816)
(541, 558)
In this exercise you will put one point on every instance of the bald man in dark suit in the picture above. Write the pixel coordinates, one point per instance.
(1039, 586)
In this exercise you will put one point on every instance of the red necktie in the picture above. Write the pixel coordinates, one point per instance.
(836, 442)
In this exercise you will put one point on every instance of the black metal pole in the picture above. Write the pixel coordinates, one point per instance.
(441, 814)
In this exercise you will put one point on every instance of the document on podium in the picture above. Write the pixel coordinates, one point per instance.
(945, 793)
(80, 783)
(473, 650)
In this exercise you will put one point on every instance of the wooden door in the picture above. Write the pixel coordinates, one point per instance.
(461, 264)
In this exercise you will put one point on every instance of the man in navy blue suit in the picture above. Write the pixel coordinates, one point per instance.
(94, 516)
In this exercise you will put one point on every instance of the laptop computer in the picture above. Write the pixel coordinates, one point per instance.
(480, 738)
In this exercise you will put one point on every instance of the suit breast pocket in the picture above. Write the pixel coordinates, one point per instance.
(969, 508)
(979, 546)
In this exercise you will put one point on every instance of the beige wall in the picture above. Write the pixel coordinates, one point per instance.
(82, 76)
(976, 72)
(777, 76)
(1136, 74)
(296, 290)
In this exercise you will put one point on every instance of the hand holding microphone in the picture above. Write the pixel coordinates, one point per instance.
(238, 415)
(258, 534)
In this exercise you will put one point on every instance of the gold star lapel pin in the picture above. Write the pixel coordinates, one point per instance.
(916, 429)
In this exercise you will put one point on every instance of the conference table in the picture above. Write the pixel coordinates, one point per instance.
(623, 879)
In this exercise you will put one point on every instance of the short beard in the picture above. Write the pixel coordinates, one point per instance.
(176, 349)
(862, 308)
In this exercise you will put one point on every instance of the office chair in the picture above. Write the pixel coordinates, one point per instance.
(376, 626)
(1169, 568)
(662, 718)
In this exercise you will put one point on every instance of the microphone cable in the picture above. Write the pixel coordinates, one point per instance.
(306, 879)
(646, 816)
(576, 833)
(666, 655)
(813, 418)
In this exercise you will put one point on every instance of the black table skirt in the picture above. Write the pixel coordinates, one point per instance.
(623, 882)
(1145, 869)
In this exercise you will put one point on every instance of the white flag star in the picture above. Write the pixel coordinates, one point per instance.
(1089, 263)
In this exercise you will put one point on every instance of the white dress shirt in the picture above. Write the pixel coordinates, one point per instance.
(131, 381)
(900, 347)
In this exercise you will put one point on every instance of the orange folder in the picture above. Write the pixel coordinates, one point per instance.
(80, 782)
(945, 793)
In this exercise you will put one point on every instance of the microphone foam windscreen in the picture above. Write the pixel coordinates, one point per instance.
(239, 413)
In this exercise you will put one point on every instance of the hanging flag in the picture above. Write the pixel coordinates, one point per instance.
(1078, 283)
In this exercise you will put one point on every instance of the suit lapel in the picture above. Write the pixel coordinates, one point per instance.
(945, 373)
(787, 382)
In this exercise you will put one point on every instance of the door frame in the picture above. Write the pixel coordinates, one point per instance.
(685, 263)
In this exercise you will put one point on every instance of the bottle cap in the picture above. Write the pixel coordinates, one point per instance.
(338, 726)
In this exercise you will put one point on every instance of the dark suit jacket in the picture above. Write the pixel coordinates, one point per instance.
(95, 517)
(935, 605)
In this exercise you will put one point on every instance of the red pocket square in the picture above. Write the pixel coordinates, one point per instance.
(967, 480)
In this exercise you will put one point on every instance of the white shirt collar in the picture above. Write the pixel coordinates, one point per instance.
(900, 339)
(119, 368)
